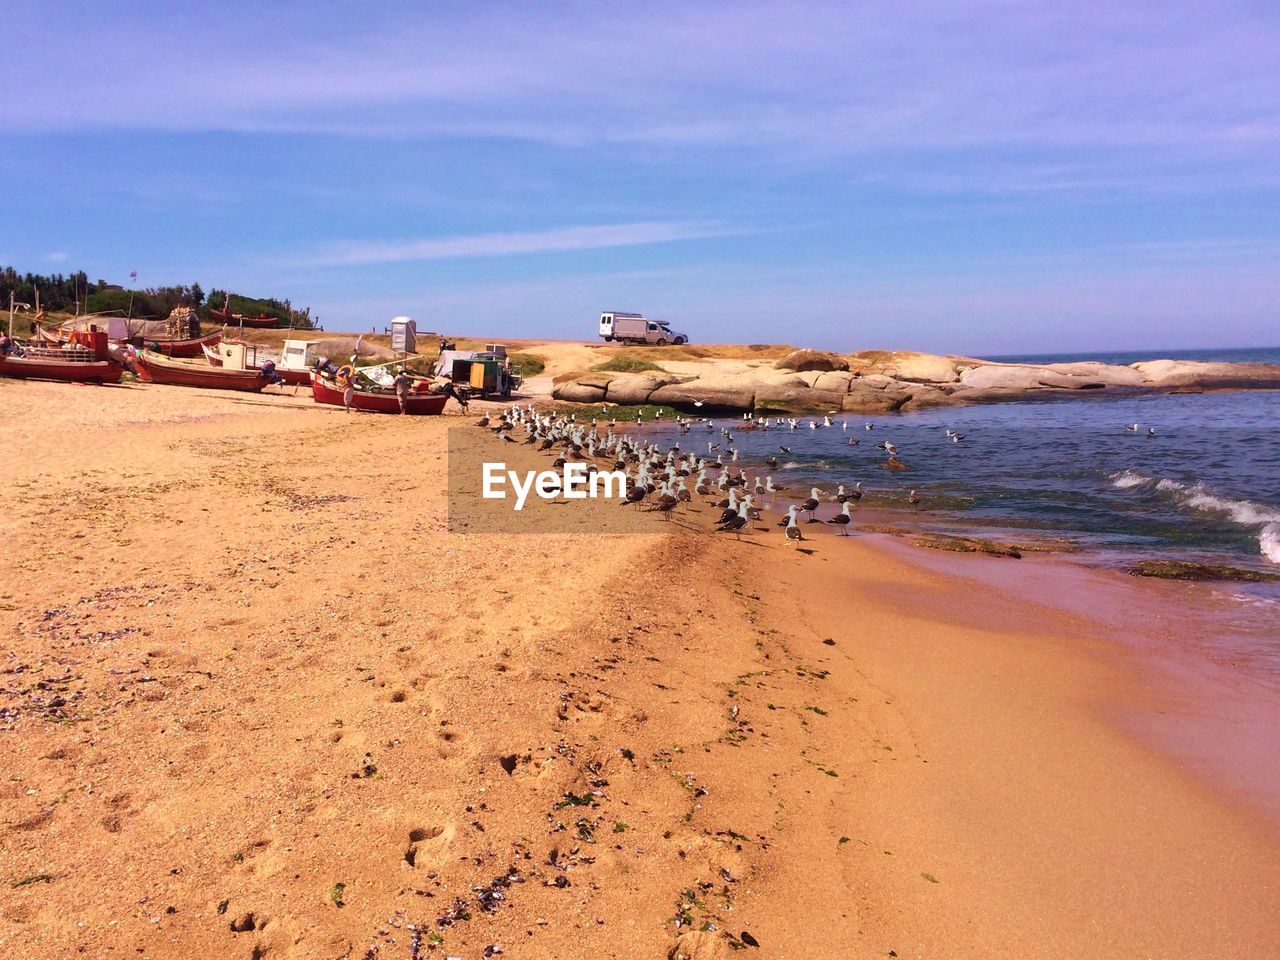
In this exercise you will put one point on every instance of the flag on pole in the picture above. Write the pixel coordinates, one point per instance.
(134, 275)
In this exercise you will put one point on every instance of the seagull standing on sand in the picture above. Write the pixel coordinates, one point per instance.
(736, 523)
(793, 530)
(811, 505)
(843, 519)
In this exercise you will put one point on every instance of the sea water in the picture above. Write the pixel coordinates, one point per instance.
(1204, 487)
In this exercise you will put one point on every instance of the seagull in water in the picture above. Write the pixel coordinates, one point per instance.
(913, 499)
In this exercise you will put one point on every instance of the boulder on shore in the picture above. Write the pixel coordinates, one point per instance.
(722, 396)
(635, 389)
(822, 360)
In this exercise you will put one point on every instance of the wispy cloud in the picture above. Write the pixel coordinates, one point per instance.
(58, 256)
(843, 78)
(587, 237)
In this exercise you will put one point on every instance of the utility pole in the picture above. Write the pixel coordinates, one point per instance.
(134, 277)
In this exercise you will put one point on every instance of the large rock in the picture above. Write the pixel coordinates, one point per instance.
(713, 396)
(796, 399)
(872, 399)
(1111, 374)
(576, 392)
(875, 381)
(812, 360)
(835, 381)
(779, 378)
(635, 389)
(928, 395)
(922, 368)
(1028, 378)
(1166, 374)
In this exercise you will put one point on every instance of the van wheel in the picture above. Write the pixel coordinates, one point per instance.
(662, 341)
(680, 340)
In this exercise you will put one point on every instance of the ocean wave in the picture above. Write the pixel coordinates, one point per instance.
(1129, 478)
(1269, 542)
(1197, 496)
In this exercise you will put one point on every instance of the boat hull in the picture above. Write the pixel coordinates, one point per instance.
(187, 349)
(418, 404)
(71, 371)
(170, 348)
(235, 320)
(295, 378)
(154, 368)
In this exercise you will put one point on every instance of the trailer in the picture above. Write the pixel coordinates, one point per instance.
(636, 328)
(485, 372)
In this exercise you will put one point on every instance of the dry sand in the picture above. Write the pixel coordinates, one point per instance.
(245, 663)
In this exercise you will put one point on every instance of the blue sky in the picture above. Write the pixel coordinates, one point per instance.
(974, 177)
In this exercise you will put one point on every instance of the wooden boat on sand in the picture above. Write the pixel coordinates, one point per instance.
(378, 401)
(157, 368)
(86, 360)
(169, 347)
(185, 348)
(72, 366)
(261, 321)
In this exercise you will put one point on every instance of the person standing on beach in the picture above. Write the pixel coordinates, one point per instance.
(403, 383)
(346, 380)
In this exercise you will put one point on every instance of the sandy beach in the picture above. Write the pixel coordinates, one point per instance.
(257, 701)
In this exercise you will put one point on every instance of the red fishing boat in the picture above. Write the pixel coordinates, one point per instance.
(185, 348)
(294, 378)
(378, 401)
(85, 361)
(157, 368)
(42, 366)
(169, 347)
(262, 321)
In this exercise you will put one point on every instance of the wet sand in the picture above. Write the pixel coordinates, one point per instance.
(258, 702)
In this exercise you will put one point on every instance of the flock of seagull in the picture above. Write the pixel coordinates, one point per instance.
(660, 480)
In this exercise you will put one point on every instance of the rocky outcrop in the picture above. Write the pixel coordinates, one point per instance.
(877, 381)
(1172, 374)
(707, 396)
(812, 360)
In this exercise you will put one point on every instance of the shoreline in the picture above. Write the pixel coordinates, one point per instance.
(247, 605)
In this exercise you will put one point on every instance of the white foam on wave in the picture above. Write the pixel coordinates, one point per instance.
(1197, 496)
(1269, 542)
(1129, 478)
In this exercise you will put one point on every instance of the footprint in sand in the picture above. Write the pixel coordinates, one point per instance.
(427, 845)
